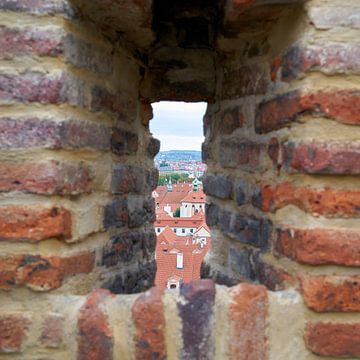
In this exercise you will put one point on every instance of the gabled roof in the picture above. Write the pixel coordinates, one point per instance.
(167, 236)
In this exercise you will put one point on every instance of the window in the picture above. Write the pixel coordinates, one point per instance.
(175, 230)
(183, 231)
(158, 230)
(179, 260)
(191, 230)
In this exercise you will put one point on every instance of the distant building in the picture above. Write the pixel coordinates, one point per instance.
(179, 258)
(180, 226)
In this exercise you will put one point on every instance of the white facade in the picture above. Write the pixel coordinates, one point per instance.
(179, 231)
(189, 209)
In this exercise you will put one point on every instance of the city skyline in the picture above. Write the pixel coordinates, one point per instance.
(178, 125)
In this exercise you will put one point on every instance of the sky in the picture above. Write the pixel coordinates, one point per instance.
(178, 125)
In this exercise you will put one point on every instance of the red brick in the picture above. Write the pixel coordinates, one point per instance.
(13, 332)
(51, 177)
(232, 119)
(334, 158)
(332, 293)
(330, 58)
(15, 42)
(32, 87)
(19, 223)
(320, 246)
(35, 132)
(342, 106)
(95, 336)
(328, 202)
(52, 331)
(248, 318)
(333, 339)
(42, 273)
(148, 315)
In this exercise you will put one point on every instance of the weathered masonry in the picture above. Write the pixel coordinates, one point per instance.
(77, 79)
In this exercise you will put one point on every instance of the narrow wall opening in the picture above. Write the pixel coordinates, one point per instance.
(183, 238)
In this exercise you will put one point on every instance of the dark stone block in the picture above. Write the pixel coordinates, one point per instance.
(218, 185)
(196, 314)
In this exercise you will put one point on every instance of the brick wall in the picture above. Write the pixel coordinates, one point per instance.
(282, 145)
(76, 175)
(76, 169)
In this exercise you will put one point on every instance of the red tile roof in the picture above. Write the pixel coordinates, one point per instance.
(166, 251)
(192, 222)
(195, 197)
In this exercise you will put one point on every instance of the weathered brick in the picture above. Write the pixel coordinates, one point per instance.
(33, 87)
(116, 214)
(146, 113)
(141, 211)
(212, 214)
(244, 81)
(327, 202)
(148, 315)
(104, 100)
(42, 273)
(326, 17)
(273, 277)
(34, 6)
(320, 246)
(273, 151)
(239, 153)
(30, 224)
(248, 319)
(128, 178)
(333, 339)
(337, 158)
(196, 313)
(342, 106)
(35, 132)
(95, 336)
(329, 58)
(331, 293)
(13, 332)
(153, 147)
(133, 281)
(232, 119)
(51, 177)
(124, 142)
(242, 192)
(246, 229)
(15, 42)
(86, 55)
(217, 185)
(52, 333)
(240, 262)
(125, 247)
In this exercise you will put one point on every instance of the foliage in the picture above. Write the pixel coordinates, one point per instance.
(177, 212)
(175, 178)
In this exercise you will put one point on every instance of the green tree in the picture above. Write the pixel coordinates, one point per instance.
(177, 212)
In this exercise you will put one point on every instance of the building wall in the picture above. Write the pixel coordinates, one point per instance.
(282, 149)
